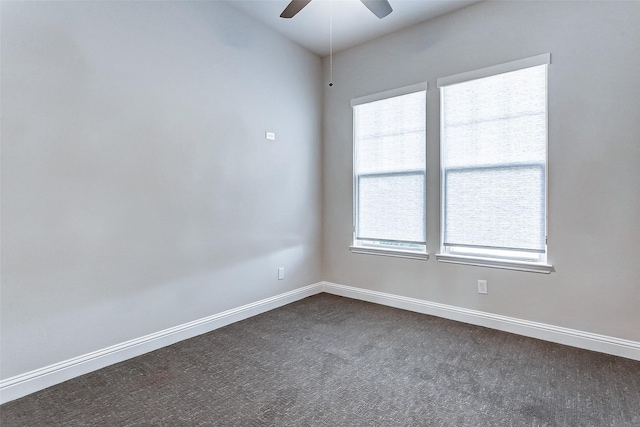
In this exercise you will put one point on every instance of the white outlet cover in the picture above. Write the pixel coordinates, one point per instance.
(271, 136)
(482, 286)
(280, 273)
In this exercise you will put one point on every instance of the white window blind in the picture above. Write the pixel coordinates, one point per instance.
(389, 169)
(493, 160)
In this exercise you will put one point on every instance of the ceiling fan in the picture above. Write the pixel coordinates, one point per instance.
(380, 8)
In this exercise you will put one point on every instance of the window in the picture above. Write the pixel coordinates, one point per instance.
(389, 173)
(494, 166)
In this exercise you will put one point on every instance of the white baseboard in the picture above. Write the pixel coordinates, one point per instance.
(30, 382)
(566, 336)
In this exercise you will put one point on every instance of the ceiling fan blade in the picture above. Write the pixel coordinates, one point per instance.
(380, 8)
(294, 7)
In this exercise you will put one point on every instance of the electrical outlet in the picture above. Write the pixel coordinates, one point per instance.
(280, 273)
(482, 286)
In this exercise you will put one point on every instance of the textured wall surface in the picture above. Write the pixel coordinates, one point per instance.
(138, 190)
(594, 150)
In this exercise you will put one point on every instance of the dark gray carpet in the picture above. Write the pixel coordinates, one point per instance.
(332, 361)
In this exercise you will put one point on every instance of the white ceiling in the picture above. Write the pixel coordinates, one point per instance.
(353, 23)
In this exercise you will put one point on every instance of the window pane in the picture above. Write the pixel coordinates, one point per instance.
(392, 115)
(519, 140)
(391, 153)
(391, 207)
(496, 208)
(496, 97)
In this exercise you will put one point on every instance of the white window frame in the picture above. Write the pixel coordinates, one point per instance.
(484, 257)
(371, 247)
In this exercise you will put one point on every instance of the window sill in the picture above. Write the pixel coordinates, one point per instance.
(532, 267)
(389, 252)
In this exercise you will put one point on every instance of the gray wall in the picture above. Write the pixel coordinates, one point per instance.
(594, 152)
(138, 191)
